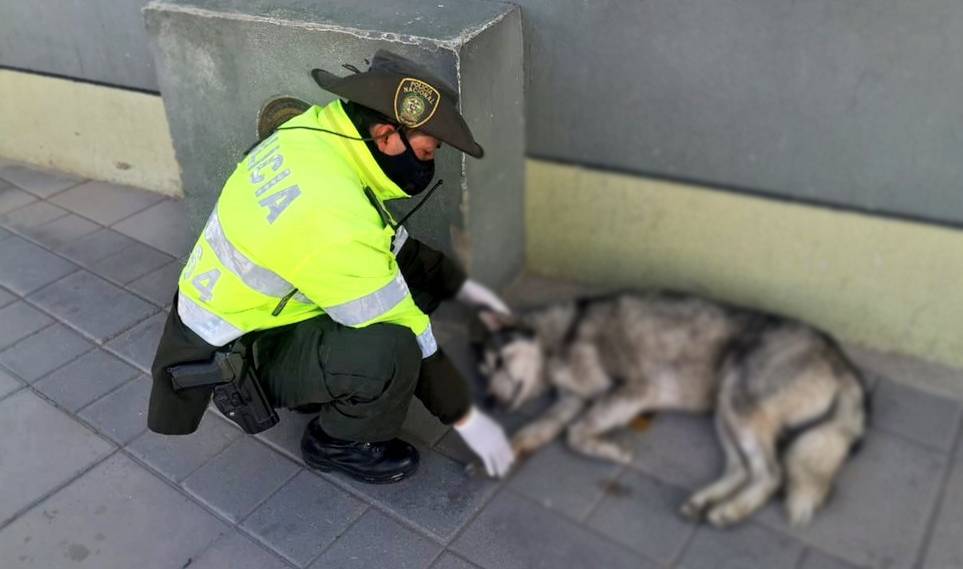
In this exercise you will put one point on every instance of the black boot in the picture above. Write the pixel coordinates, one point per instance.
(376, 463)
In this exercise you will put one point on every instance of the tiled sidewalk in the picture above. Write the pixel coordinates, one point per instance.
(86, 271)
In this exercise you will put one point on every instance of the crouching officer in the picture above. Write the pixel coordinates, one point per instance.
(317, 295)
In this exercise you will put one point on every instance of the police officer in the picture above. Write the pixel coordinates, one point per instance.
(301, 259)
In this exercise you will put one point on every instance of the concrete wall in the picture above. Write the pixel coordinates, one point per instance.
(104, 41)
(846, 102)
(218, 66)
(850, 102)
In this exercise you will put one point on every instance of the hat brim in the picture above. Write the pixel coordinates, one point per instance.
(375, 89)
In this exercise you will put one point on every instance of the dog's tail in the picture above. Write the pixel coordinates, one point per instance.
(816, 454)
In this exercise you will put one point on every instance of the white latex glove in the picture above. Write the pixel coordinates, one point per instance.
(487, 439)
(476, 294)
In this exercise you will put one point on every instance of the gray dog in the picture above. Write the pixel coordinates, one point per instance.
(788, 403)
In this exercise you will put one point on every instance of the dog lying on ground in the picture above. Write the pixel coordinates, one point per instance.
(788, 404)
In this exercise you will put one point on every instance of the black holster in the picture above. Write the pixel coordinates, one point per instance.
(237, 391)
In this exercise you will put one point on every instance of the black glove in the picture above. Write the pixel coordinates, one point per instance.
(443, 389)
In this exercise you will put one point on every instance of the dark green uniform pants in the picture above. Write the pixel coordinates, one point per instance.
(361, 379)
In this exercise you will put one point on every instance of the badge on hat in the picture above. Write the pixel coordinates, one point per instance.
(415, 102)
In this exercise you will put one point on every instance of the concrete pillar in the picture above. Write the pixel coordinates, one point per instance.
(219, 62)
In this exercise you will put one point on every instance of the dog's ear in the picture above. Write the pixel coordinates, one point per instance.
(495, 321)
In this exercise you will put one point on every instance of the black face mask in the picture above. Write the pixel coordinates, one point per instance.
(411, 175)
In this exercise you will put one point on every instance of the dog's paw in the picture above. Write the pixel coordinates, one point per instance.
(693, 510)
(726, 515)
(610, 451)
(528, 440)
(622, 455)
(800, 511)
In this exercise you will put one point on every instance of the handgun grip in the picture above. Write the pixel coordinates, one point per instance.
(198, 374)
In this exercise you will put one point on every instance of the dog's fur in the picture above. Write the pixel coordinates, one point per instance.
(788, 403)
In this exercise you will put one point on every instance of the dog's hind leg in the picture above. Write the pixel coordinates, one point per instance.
(756, 443)
(543, 430)
(815, 457)
(733, 477)
(812, 461)
(614, 410)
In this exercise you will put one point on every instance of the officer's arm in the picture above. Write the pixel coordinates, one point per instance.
(430, 270)
(358, 285)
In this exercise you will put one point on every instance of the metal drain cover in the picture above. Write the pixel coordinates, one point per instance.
(276, 112)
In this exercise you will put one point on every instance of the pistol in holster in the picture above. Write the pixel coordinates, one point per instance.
(237, 391)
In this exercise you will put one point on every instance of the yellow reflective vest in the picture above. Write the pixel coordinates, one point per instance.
(300, 230)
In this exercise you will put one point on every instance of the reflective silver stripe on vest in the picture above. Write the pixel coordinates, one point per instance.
(209, 326)
(370, 306)
(263, 280)
(427, 343)
(401, 235)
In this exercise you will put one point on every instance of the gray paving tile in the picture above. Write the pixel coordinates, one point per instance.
(91, 248)
(880, 505)
(304, 517)
(945, 549)
(85, 379)
(6, 297)
(32, 432)
(104, 202)
(421, 425)
(238, 479)
(440, 498)
(61, 231)
(4, 234)
(747, 546)
(560, 480)
(36, 213)
(814, 559)
(679, 449)
(19, 320)
(116, 515)
(121, 414)
(8, 384)
(450, 561)
(513, 532)
(285, 437)
(159, 286)
(177, 456)
(27, 267)
(928, 419)
(378, 541)
(37, 355)
(12, 198)
(131, 263)
(236, 551)
(139, 344)
(92, 305)
(934, 377)
(163, 226)
(41, 183)
(642, 514)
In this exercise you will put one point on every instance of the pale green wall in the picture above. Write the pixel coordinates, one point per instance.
(92, 131)
(888, 284)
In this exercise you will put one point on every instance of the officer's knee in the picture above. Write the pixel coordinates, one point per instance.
(400, 340)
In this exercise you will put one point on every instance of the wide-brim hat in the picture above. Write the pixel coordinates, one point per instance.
(407, 93)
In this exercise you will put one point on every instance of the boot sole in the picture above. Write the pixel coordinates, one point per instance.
(368, 479)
